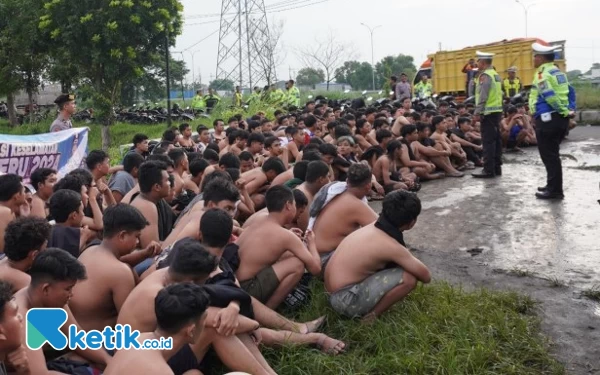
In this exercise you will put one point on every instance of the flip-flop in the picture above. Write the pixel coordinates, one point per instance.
(331, 350)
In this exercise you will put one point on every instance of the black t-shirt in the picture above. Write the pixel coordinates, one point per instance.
(459, 133)
(428, 142)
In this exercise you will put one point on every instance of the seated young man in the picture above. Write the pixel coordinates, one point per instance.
(344, 213)
(54, 273)
(12, 350)
(273, 147)
(426, 149)
(388, 170)
(360, 278)
(123, 181)
(42, 180)
(246, 162)
(154, 187)
(191, 262)
(24, 239)
(256, 144)
(66, 208)
(263, 273)
(459, 135)
(458, 156)
(12, 196)
(98, 164)
(301, 206)
(424, 170)
(194, 180)
(259, 178)
(317, 176)
(81, 181)
(97, 300)
(180, 311)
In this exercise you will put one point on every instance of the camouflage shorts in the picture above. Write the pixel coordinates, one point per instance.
(357, 300)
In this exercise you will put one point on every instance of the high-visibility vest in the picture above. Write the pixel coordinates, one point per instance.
(238, 99)
(198, 102)
(549, 92)
(494, 100)
(424, 90)
(511, 88)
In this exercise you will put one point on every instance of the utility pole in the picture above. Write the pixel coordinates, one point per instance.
(168, 77)
(526, 10)
(371, 30)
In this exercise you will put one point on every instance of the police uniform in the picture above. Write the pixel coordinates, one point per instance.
(511, 87)
(423, 90)
(488, 105)
(293, 96)
(550, 106)
(238, 99)
(61, 123)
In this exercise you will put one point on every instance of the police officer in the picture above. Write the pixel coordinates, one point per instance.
(488, 110)
(512, 84)
(66, 107)
(198, 103)
(237, 97)
(293, 94)
(255, 96)
(549, 104)
(424, 89)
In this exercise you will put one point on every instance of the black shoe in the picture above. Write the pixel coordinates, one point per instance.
(483, 174)
(498, 172)
(549, 196)
(543, 189)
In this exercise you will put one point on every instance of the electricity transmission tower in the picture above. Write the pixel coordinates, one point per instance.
(245, 49)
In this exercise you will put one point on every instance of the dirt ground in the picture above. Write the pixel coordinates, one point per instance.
(496, 234)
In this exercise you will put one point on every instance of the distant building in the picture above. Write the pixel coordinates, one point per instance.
(46, 95)
(333, 86)
(593, 77)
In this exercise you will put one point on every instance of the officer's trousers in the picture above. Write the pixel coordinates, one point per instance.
(549, 135)
(492, 143)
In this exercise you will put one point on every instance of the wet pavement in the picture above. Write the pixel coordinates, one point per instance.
(502, 225)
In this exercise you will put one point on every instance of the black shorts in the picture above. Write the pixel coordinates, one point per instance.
(184, 360)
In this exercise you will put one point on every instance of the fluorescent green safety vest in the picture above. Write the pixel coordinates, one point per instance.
(424, 90)
(293, 97)
(494, 100)
(549, 92)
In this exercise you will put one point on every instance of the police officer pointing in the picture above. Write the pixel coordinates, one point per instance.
(549, 104)
(488, 110)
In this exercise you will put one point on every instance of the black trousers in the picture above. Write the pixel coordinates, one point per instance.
(549, 135)
(492, 142)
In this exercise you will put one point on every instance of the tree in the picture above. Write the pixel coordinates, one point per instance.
(221, 84)
(573, 75)
(274, 54)
(326, 54)
(394, 65)
(356, 74)
(22, 55)
(310, 77)
(110, 42)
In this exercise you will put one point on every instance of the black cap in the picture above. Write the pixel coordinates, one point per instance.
(64, 98)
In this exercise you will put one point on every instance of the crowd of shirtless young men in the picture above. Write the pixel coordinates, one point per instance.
(204, 238)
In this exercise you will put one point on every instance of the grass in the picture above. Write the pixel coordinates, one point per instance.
(556, 282)
(438, 329)
(592, 293)
(588, 97)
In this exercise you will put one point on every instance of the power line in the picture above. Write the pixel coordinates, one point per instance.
(202, 40)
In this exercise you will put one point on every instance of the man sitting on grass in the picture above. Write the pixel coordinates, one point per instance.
(372, 269)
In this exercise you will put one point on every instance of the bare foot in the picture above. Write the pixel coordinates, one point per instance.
(458, 174)
(330, 346)
(368, 319)
(312, 327)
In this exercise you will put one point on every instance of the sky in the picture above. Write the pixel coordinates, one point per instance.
(414, 28)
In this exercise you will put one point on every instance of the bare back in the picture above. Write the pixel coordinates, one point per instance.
(365, 252)
(342, 216)
(138, 309)
(138, 362)
(97, 300)
(6, 216)
(16, 278)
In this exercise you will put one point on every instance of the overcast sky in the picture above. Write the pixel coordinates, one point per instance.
(414, 28)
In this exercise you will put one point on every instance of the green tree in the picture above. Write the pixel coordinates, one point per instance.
(222, 84)
(394, 65)
(356, 74)
(110, 42)
(22, 55)
(572, 75)
(310, 77)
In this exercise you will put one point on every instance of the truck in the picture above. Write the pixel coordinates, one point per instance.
(444, 68)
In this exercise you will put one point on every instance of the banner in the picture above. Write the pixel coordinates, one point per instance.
(63, 151)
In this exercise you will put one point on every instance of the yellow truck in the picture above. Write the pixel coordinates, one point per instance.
(445, 68)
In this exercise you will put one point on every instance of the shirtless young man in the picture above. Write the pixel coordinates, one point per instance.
(387, 172)
(42, 180)
(258, 178)
(364, 140)
(440, 136)
(273, 147)
(185, 139)
(12, 350)
(24, 239)
(198, 168)
(180, 311)
(219, 134)
(359, 279)
(301, 206)
(12, 196)
(422, 169)
(191, 262)
(237, 142)
(54, 273)
(98, 164)
(180, 160)
(317, 176)
(295, 143)
(97, 300)
(154, 185)
(345, 213)
(263, 273)
(426, 149)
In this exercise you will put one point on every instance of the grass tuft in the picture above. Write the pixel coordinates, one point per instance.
(520, 272)
(592, 293)
(555, 282)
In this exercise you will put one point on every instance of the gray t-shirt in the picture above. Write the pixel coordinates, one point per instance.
(122, 182)
(402, 90)
(60, 124)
